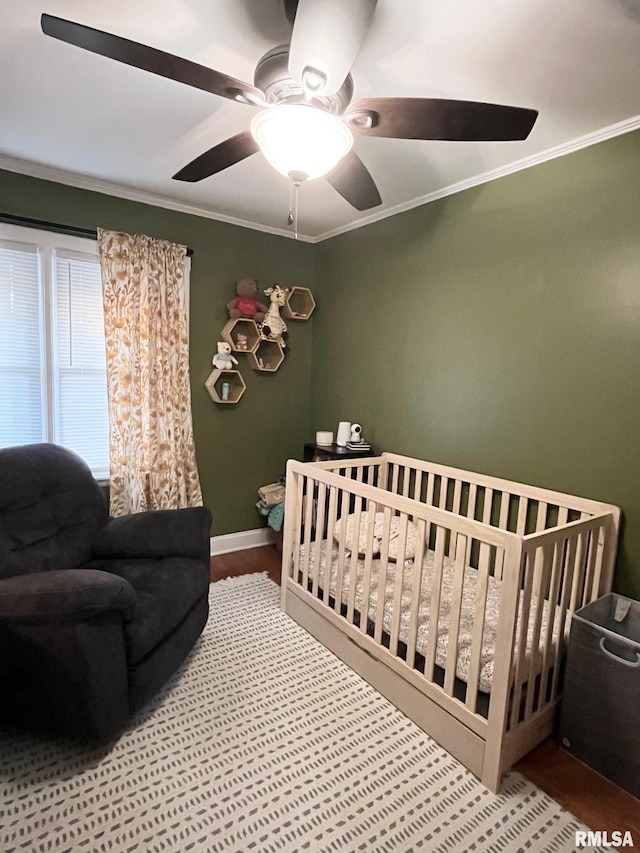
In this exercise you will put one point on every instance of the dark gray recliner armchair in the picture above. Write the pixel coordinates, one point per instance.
(95, 612)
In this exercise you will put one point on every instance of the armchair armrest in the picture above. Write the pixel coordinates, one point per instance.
(67, 595)
(156, 534)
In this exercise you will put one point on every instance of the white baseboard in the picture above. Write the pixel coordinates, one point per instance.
(240, 541)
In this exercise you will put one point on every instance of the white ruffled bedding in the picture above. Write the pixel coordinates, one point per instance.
(444, 616)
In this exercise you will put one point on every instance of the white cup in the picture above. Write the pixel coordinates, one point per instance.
(325, 439)
(344, 433)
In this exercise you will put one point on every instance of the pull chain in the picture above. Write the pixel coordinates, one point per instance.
(297, 179)
(296, 193)
(290, 217)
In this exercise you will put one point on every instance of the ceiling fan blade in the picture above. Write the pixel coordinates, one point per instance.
(352, 180)
(220, 157)
(438, 118)
(327, 35)
(150, 59)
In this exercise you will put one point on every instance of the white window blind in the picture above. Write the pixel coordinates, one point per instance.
(80, 381)
(52, 354)
(22, 401)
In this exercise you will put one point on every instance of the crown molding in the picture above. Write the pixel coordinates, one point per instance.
(605, 133)
(86, 182)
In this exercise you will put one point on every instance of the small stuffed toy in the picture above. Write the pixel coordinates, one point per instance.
(223, 360)
(274, 327)
(246, 303)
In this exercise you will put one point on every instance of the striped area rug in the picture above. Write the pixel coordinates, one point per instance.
(264, 741)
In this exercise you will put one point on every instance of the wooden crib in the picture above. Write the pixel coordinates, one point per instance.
(373, 547)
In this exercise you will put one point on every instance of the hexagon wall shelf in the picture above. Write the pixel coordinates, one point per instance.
(241, 326)
(299, 305)
(267, 358)
(217, 378)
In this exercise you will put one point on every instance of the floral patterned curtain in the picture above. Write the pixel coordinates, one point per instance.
(152, 454)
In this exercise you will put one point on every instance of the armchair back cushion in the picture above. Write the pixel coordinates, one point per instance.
(51, 509)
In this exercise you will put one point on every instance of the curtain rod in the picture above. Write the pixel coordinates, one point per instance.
(58, 227)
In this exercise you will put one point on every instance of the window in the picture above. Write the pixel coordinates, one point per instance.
(53, 381)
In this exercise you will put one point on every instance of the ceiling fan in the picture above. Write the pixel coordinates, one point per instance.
(307, 118)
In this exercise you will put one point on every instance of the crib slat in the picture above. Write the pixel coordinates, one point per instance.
(372, 509)
(486, 506)
(523, 624)
(541, 517)
(399, 582)
(550, 657)
(342, 549)
(577, 585)
(416, 590)
(382, 574)
(353, 566)
(431, 484)
(442, 503)
(456, 610)
(504, 498)
(592, 550)
(482, 587)
(457, 498)
(434, 607)
(417, 486)
(567, 581)
(331, 523)
(308, 524)
(406, 481)
(472, 503)
(299, 527)
(444, 490)
(540, 575)
(598, 559)
(321, 535)
(484, 557)
(394, 479)
(521, 523)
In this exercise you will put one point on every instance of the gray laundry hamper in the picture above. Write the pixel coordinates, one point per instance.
(600, 715)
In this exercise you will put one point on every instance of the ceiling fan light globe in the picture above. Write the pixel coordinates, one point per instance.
(301, 138)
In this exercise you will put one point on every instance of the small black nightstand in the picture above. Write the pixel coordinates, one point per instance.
(324, 452)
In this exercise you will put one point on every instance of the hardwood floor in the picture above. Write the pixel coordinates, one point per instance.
(264, 559)
(591, 798)
(596, 801)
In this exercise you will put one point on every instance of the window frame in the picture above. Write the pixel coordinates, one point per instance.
(47, 245)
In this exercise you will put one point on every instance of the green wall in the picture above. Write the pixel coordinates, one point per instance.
(238, 447)
(498, 330)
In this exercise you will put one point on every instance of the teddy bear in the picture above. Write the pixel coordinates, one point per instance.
(223, 360)
(246, 304)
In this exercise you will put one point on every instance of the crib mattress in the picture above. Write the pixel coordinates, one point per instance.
(467, 614)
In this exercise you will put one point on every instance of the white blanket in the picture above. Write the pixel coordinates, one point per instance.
(465, 633)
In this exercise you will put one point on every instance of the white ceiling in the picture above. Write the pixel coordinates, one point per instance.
(89, 121)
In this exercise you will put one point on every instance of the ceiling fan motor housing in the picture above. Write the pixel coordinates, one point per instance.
(272, 77)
